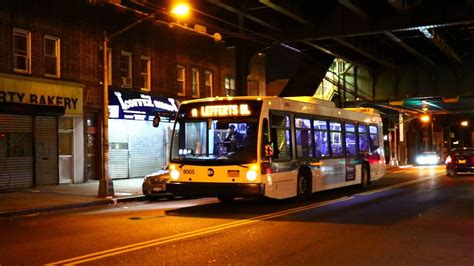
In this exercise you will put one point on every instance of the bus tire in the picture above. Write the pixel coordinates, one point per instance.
(365, 176)
(303, 187)
(226, 199)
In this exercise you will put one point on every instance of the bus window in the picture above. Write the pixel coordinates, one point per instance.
(351, 144)
(281, 137)
(196, 137)
(335, 131)
(304, 142)
(374, 138)
(321, 138)
(265, 138)
(363, 138)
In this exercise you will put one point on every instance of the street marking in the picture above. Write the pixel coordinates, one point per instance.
(185, 235)
(216, 228)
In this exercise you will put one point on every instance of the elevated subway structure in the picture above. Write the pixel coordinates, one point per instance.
(405, 58)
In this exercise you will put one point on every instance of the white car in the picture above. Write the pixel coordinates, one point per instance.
(428, 158)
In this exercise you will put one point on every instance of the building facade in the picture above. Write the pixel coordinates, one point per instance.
(51, 89)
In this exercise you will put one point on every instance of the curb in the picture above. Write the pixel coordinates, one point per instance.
(112, 201)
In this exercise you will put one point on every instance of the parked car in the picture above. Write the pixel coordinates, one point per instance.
(428, 158)
(460, 160)
(154, 185)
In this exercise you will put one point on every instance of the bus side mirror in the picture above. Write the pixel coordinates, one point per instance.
(156, 121)
(268, 150)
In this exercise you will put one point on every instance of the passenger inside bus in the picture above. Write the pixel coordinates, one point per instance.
(234, 138)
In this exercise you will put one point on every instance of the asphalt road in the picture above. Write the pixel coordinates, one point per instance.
(415, 216)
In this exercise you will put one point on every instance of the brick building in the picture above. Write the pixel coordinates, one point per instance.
(51, 87)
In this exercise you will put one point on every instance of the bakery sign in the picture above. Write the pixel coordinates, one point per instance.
(39, 93)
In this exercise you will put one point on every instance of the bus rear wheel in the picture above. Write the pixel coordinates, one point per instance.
(226, 199)
(303, 188)
(365, 176)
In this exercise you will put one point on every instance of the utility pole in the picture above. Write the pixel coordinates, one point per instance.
(106, 185)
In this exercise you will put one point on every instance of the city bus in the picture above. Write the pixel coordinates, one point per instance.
(248, 146)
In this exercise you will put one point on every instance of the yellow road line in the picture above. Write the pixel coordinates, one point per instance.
(185, 235)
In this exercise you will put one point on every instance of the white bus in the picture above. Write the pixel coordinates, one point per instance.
(228, 147)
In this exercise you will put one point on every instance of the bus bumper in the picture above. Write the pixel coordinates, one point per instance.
(216, 189)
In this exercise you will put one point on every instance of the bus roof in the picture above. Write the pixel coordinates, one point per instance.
(304, 104)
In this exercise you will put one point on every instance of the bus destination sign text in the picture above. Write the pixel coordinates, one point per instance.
(221, 110)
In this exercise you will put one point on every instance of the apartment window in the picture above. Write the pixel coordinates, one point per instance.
(195, 83)
(21, 51)
(145, 73)
(180, 79)
(229, 86)
(208, 83)
(126, 69)
(51, 56)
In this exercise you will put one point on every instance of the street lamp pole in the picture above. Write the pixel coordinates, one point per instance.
(106, 186)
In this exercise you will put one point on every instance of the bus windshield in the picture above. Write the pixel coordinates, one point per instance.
(215, 141)
(216, 133)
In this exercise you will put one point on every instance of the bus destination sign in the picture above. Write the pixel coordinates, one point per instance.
(221, 110)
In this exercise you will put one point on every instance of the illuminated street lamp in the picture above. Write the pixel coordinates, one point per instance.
(464, 123)
(425, 118)
(181, 10)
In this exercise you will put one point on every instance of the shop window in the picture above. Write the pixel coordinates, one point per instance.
(15, 144)
(351, 137)
(363, 138)
(126, 69)
(145, 73)
(51, 56)
(209, 82)
(21, 51)
(335, 131)
(229, 86)
(304, 139)
(195, 82)
(321, 138)
(374, 138)
(180, 80)
(281, 138)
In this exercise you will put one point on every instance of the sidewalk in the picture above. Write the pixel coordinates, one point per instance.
(67, 196)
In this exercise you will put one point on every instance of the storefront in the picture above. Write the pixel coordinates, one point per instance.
(41, 132)
(136, 147)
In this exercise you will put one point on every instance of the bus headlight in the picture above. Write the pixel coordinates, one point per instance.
(252, 173)
(174, 174)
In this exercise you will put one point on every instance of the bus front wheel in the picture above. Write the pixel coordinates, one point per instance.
(303, 188)
(226, 199)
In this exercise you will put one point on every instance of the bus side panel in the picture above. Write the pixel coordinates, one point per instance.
(282, 184)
